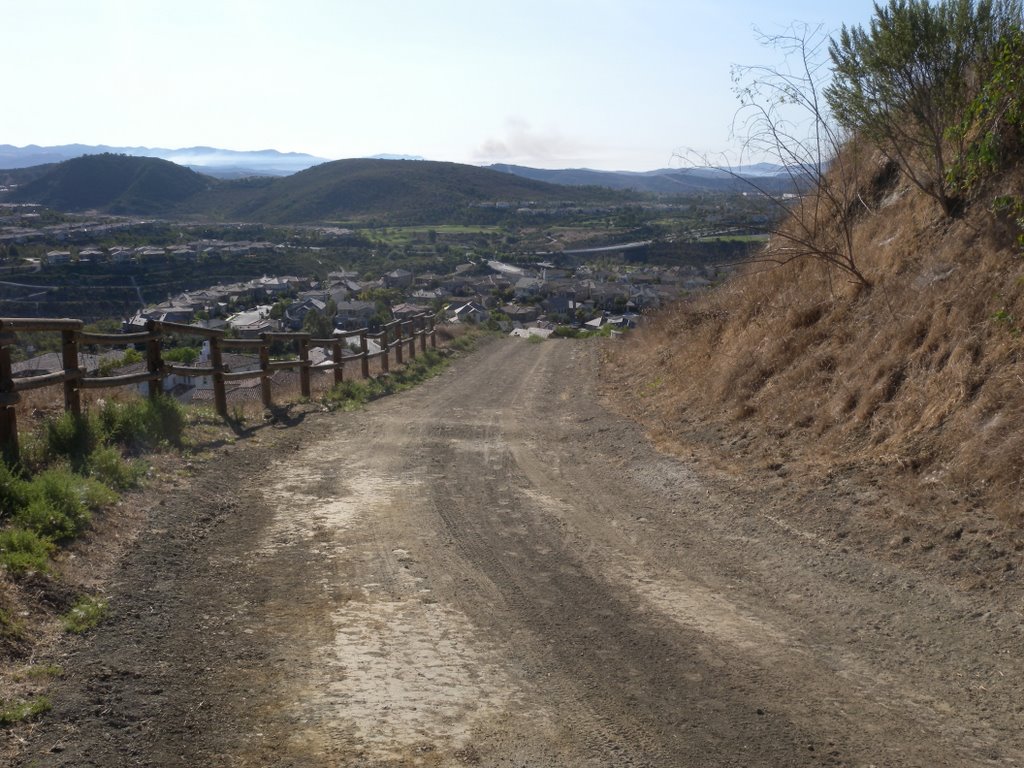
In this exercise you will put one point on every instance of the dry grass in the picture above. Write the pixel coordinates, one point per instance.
(922, 371)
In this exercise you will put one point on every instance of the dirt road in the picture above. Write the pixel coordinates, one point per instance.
(494, 570)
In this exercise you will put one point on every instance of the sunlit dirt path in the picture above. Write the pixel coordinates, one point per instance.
(495, 570)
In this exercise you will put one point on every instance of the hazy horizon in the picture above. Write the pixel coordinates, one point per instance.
(602, 84)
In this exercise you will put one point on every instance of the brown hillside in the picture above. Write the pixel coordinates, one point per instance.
(918, 377)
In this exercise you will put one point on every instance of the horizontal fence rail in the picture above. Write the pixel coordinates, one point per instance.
(397, 337)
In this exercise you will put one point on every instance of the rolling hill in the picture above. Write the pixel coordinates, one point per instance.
(222, 163)
(393, 190)
(116, 184)
(410, 190)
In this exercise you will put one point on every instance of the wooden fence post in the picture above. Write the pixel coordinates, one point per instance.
(339, 361)
(265, 372)
(412, 339)
(433, 334)
(220, 395)
(423, 333)
(154, 362)
(365, 360)
(398, 343)
(8, 399)
(69, 359)
(304, 385)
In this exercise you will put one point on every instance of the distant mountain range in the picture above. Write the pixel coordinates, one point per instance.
(666, 181)
(233, 164)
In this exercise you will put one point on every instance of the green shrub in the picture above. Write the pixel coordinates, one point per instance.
(107, 465)
(12, 712)
(23, 550)
(13, 492)
(123, 423)
(61, 503)
(183, 355)
(40, 672)
(86, 614)
(10, 629)
(71, 436)
(168, 418)
(130, 357)
(350, 394)
(464, 343)
(143, 422)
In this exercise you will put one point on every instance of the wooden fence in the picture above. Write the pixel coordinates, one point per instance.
(399, 337)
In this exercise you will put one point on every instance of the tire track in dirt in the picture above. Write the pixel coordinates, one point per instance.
(494, 570)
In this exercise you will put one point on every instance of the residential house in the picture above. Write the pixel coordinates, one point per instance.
(528, 288)
(399, 278)
(169, 311)
(341, 275)
(273, 287)
(470, 312)
(405, 311)
(561, 301)
(427, 280)
(149, 253)
(58, 257)
(91, 254)
(48, 362)
(252, 323)
(296, 312)
(354, 314)
(427, 294)
(457, 285)
(520, 314)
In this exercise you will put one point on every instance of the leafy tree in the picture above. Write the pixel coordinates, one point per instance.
(387, 296)
(907, 81)
(277, 310)
(995, 122)
(318, 324)
(183, 355)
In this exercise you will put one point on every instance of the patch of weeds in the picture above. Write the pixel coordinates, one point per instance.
(86, 614)
(1003, 318)
(237, 417)
(13, 491)
(71, 436)
(349, 395)
(12, 712)
(142, 423)
(61, 503)
(534, 338)
(568, 332)
(467, 341)
(107, 465)
(23, 550)
(40, 672)
(10, 628)
(651, 387)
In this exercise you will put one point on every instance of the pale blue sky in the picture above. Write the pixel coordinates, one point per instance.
(608, 84)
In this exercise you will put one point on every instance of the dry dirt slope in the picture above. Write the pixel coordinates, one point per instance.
(921, 372)
(496, 570)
